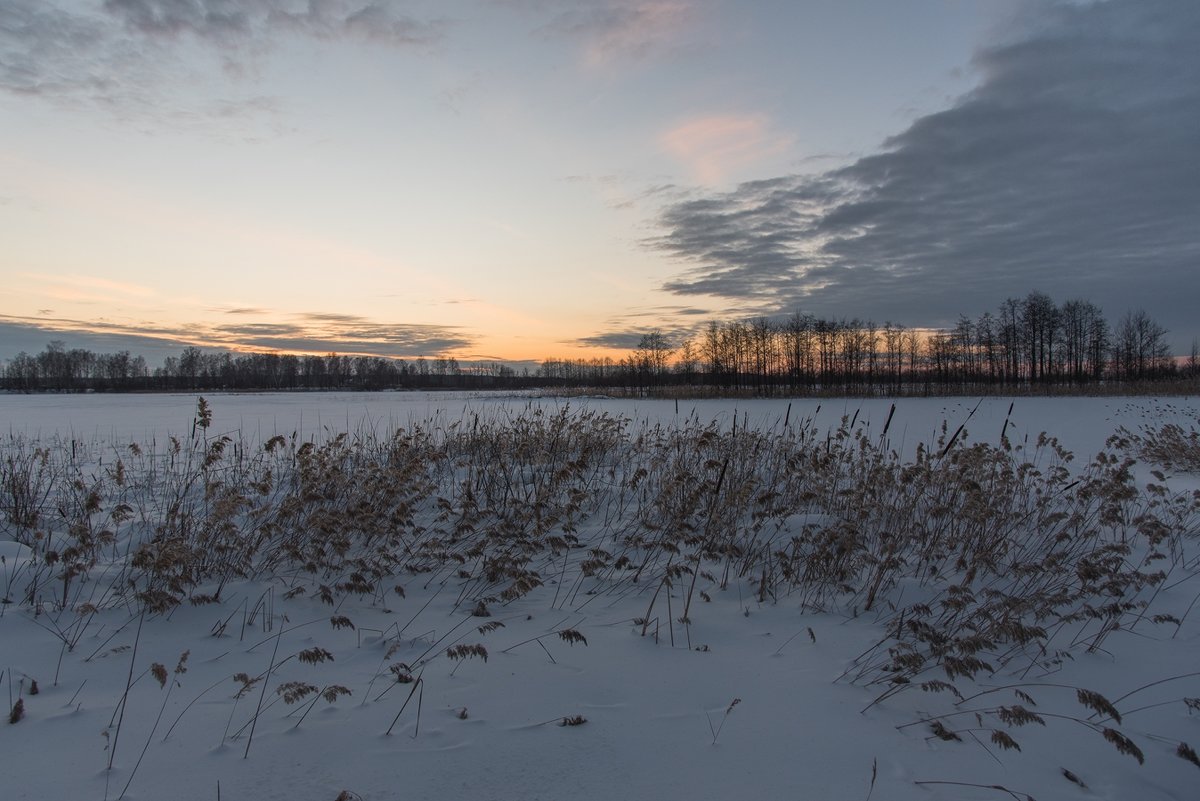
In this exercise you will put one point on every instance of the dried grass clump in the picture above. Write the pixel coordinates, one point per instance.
(1011, 549)
(1005, 545)
(977, 559)
(1168, 445)
(1124, 745)
(459, 652)
(314, 656)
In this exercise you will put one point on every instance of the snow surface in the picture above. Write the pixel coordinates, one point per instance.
(490, 730)
(1081, 424)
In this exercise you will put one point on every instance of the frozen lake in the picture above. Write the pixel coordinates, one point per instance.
(1082, 424)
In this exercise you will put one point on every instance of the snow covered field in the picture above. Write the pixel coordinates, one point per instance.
(600, 598)
(1081, 424)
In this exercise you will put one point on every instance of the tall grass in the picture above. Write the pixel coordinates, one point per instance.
(976, 558)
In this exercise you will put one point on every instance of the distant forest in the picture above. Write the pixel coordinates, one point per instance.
(1026, 344)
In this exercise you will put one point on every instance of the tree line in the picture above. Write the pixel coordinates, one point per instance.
(59, 369)
(1026, 342)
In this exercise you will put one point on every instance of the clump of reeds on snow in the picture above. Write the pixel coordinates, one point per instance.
(1010, 559)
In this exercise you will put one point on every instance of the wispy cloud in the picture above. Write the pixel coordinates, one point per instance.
(611, 31)
(614, 340)
(230, 22)
(1071, 168)
(623, 29)
(621, 191)
(625, 331)
(256, 330)
(714, 147)
(308, 332)
(32, 335)
(87, 288)
(48, 49)
(125, 55)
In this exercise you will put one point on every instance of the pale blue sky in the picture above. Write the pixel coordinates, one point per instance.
(523, 178)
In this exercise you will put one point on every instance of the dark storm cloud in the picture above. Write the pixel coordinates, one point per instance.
(1073, 168)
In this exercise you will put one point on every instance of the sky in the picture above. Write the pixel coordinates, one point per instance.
(523, 179)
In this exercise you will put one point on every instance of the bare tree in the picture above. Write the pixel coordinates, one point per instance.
(1039, 320)
(798, 348)
(1139, 347)
(686, 359)
(1083, 335)
(1011, 338)
(652, 357)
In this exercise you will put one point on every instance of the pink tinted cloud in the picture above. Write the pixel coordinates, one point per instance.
(612, 31)
(636, 29)
(717, 146)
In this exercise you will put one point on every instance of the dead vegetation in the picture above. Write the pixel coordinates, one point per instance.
(978, 559)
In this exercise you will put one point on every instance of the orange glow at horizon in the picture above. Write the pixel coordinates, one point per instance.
(483, 349)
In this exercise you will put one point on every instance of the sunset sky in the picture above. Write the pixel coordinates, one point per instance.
(519, 179)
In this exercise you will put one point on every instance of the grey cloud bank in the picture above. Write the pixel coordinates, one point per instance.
(1072, 168)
